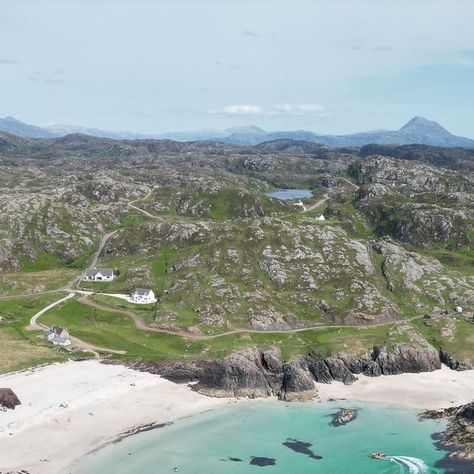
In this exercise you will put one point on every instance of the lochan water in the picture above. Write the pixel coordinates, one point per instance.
(248, 438)
(289, 194)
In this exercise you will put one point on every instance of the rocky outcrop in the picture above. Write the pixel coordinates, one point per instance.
(460, 433)
(296, 384)
(8, 399)
(459, 436)
(253, 373)
(439, 413)
(344, 416)
(454, 363)
(404, 358)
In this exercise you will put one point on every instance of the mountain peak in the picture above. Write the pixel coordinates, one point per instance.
(423, 125)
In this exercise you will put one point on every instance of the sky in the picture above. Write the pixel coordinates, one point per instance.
(152, 66)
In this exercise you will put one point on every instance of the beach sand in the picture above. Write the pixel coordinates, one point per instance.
(102, 401)
(428, 390)
(73, 408)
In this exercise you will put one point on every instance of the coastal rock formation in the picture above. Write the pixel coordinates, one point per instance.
(454, 363)
(460, 432)
(296, 384)
(344, 416)
(404, 358)
(8, 399)
(252, 373)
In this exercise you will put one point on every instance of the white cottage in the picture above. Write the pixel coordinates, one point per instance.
(143, 295)
(57, 336)
(99, 274)
(320, 218)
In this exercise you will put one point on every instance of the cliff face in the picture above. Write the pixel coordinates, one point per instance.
(454, 363)
(253, 373)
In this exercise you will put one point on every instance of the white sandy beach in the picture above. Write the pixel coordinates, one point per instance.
(103, 401)
(428, 390)
(43, 438)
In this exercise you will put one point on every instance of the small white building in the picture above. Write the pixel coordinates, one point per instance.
(57, 336)
(459, 309)
(320, 218)
(99, 274)
(143, 296)
(300, 204)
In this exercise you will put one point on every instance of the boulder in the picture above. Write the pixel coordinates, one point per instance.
(344, 416)
(8, 399)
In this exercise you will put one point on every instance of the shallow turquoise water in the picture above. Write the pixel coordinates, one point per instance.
(204, 443)
(286, 194)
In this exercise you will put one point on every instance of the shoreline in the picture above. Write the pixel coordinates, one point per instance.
(81, 407)
(441, 388)
(70, 409)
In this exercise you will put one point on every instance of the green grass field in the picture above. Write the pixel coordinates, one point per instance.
(118, 331)
(19, 348)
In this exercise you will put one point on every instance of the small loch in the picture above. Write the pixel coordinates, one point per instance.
(289, 194)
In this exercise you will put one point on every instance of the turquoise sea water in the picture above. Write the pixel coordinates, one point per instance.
(206, 442)
(286, 194)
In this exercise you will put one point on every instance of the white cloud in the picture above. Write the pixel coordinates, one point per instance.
(279, 109)
(239, 110)
(300, 109)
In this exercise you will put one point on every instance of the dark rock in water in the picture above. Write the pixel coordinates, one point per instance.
(261, 461)
(438, 414)
(301, 447)
(344, 416)
(296, 384)
(230, 458)
(451, 465)
(458, 439)
(8, 399)
(460, 433)
(453, 363)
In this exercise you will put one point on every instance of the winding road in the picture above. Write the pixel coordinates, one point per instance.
(140, 324)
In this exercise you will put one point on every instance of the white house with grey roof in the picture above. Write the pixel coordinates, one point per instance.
(143, 296)
(99, 274)
(57, 336)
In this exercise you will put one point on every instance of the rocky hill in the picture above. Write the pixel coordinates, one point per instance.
(194, 222)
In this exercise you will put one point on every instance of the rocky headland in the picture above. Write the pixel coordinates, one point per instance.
(459, 436)
(254, 373)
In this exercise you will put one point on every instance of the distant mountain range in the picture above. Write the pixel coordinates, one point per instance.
(417, 131)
